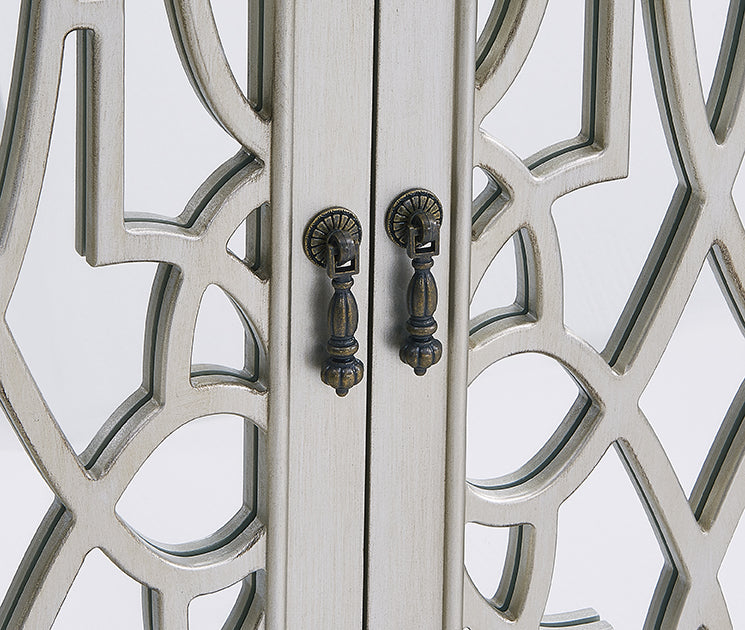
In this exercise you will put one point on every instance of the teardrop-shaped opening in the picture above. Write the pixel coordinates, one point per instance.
(544, 104)
(514, 407)
(485, 553)
(209, 612)
(490, 197)
(738, 192)
(224, 340)
(498, 286)
(25, 495)
(101, 596)
(237, 242)
(709, 19)
(193, 483)
(480, 182)
(607, 557)
(250, 241)
(246, 32)
(238, 606)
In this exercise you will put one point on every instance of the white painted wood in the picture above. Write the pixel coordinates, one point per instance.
(192, 255)
(706, 143)
(418, 144)
(354, 507)
(325, 139)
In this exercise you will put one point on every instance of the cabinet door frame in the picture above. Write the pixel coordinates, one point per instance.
(321, 147)
(416, 435)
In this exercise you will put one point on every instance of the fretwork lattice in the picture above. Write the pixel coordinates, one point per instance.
(192, 255)
(706, 141)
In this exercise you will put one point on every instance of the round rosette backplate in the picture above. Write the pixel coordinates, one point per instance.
(399, 214)
(320, 228)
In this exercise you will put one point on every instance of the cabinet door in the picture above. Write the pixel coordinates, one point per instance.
(670, 572)
(301, 142)
(320, 159)
(416, 435)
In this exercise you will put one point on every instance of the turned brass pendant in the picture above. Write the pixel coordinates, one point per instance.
(413, 222)
(332, 241)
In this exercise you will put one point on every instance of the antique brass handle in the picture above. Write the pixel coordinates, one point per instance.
(332, 241)
(413, 222)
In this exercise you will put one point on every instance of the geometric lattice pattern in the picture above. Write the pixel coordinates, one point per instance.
(192, 254)
(706, 138)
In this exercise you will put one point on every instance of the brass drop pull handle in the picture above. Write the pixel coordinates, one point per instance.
(413, 222)
(332, 241)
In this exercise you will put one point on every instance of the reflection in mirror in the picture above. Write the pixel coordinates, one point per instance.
(164, 164)
(486, 550)
(730, 577)
(696, 394)
(544, 104)
(113, 592)
(514, 407)
(191, 485)
(80, 329)
(606, 230)
(603, 540)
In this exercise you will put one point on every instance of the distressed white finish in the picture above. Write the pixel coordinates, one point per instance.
(353, 508)
(322, 146)
(706, 140)
(309, 94)
(191, 252)
(425, 93)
